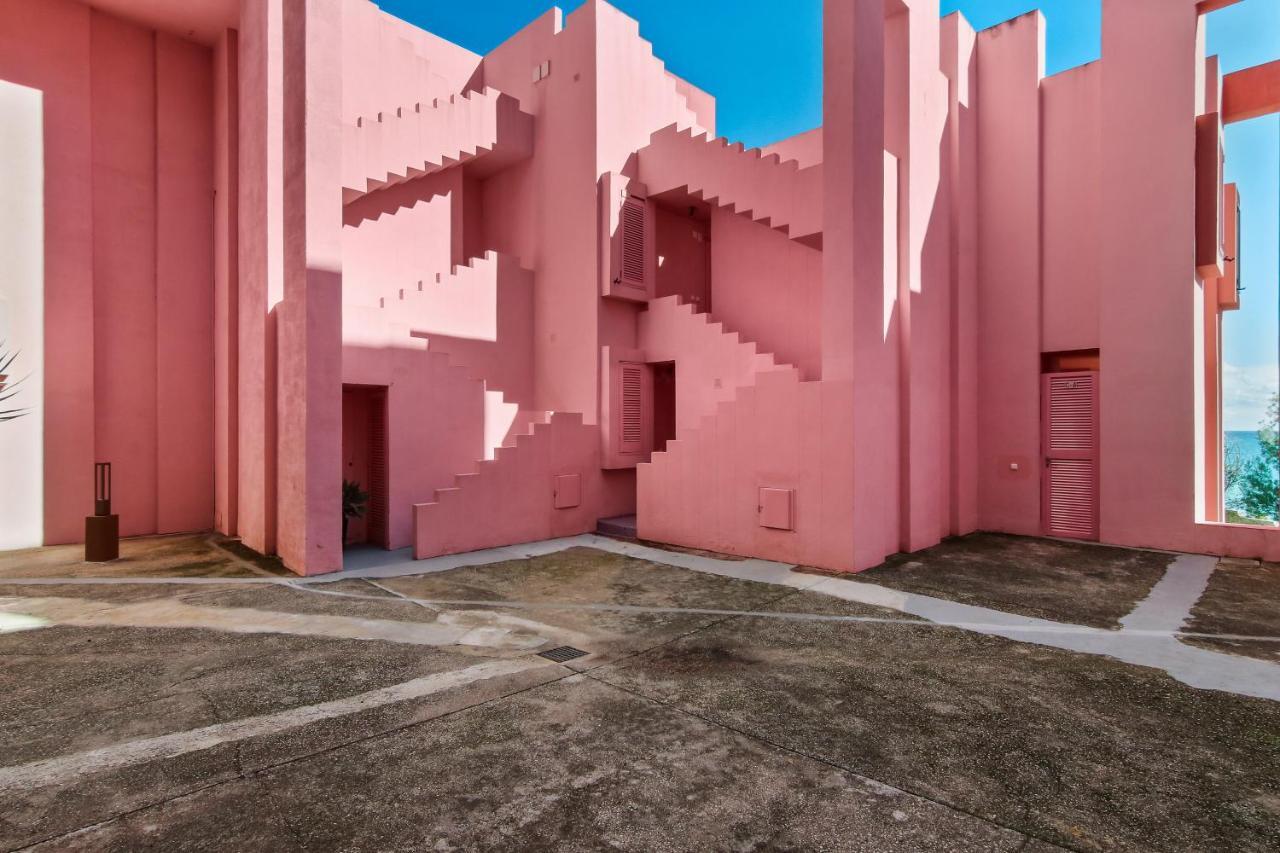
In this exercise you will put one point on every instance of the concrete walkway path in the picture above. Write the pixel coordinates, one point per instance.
(1149, 636)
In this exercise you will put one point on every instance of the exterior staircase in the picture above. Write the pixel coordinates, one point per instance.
(537, 487)
(775, 193)
(711, 364)
(485, 128)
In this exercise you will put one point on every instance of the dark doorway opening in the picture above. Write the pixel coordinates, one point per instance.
(664, 404)
(364, 460)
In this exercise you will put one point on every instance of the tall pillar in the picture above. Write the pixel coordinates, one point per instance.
(226, 278)
(261, 271)
(860, 423)
(309, 324)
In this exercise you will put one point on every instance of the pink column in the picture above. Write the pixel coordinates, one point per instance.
(309, 366)
(860, 527)
(260, 266)
(226, 266)
(1010, 67)
(960, 170)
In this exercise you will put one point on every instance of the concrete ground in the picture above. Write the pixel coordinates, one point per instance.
(723, 705)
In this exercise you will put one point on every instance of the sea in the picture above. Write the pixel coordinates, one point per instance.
(1248, 446)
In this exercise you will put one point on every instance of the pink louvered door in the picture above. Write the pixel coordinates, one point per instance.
(1070, 486)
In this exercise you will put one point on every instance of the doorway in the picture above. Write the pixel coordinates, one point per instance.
(364, 460)
(1069, 419)
(664, 404)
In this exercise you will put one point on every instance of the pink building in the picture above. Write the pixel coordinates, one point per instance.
(261, 246)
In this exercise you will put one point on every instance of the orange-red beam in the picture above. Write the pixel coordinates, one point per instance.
(1251, 93)
(1206, 6)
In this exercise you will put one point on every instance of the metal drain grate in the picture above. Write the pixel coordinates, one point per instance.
(562, 654)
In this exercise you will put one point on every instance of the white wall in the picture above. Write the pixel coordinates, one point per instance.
(22, 313)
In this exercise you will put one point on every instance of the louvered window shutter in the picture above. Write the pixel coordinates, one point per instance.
(631, 407)
(633, 238)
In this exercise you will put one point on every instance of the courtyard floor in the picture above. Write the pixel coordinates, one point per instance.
(992, 693)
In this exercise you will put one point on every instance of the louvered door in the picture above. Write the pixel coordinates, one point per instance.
(1070, 483)
(628, 416)
(377, 514)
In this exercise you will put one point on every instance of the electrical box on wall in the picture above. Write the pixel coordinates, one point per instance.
(568, 491)
(777, 508)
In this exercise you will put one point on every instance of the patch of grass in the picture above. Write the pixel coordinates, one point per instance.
(1234, 517)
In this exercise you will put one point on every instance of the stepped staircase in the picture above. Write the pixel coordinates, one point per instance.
(489, 297)
(484, 128)
(712, 365)
(516, 497)
(765, 188)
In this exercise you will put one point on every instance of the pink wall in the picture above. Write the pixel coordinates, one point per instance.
(1073, 195)
(768, 288)
(805, 148)
(184, 285)
(37, 44)
(1148, 406)
(435, 423)
(226, 282)
(129, 282)
(960, 176)
(684, 260)
(1010, 65)
(124, 265)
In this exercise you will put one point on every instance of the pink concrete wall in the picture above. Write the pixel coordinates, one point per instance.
(805, 148)
(389, 63)
(513, 498)
(38, 42)
(435, 424)
(309, 325)
(1010, 66)
(768, 288)
(960, 176)
(129, 347)
(124, 264)
(226, 283)
(684, 260)
(259, 266)
(184, 285)
(1073, 197)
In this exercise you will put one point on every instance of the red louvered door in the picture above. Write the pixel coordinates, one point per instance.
(1070, 485)
(377, 513)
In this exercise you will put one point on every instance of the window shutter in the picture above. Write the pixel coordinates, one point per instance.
(632, 245)
(628, 250)
(631, 408)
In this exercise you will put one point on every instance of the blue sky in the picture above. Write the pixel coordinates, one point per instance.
(716, 44)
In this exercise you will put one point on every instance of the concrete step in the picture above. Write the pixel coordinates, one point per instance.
(622, 525)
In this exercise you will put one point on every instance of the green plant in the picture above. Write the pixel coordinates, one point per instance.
(1259, 477)
(354, 502)
(354, 499)
(8, 389)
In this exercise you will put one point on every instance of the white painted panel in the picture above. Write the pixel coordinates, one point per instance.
(22, 314)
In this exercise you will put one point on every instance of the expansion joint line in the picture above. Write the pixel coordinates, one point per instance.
(591, 674)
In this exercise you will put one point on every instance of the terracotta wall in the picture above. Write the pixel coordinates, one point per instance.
(129, 166)
(768, 288)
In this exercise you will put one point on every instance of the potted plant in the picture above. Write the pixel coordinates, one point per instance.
(8, 389)
(354, 501)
